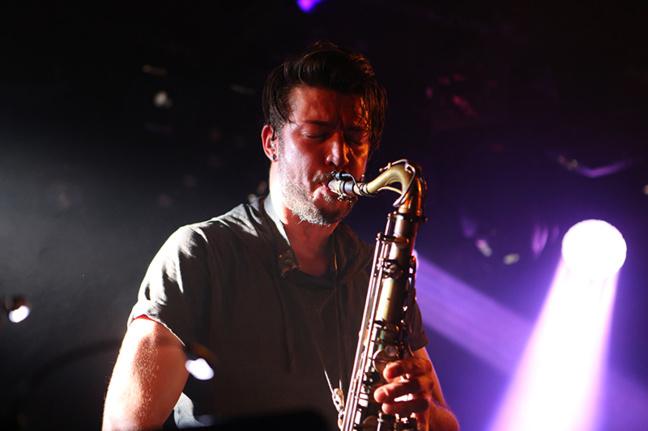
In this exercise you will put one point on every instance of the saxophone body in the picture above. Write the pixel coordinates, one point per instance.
(384, 331)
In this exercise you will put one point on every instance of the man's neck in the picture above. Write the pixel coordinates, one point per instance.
(311, 243)
(312, 246)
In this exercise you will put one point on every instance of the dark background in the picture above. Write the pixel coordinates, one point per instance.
(509, 106)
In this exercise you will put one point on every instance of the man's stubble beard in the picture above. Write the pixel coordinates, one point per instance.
(297, 200)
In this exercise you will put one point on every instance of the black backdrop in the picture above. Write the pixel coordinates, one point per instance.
(120, 123)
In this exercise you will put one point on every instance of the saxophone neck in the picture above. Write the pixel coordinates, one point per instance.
(413, 187)
(401, 177)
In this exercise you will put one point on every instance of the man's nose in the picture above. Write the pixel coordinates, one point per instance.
(339, 151)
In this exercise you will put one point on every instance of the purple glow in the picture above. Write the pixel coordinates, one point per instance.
(307, 5)
(539, 239)
(497, 336)
(469, 318)
(590, 172)
(594, 248)
(484, 247)
(557, 383)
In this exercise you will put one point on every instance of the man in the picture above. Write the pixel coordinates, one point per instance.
(274, 288)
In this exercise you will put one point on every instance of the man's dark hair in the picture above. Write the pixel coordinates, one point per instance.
(328, 66)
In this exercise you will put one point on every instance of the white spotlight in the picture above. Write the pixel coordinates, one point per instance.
(594, 248)
(19, 314)
(560, 378)
(17, 308)
(199, 368)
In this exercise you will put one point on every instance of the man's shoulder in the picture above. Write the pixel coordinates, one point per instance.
(244, 220)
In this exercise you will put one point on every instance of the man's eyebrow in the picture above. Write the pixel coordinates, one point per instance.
(352, 127)
(319, 123)
(357, 128)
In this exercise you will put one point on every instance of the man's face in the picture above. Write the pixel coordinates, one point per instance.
(327, 132)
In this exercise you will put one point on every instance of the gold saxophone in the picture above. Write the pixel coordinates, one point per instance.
(383, 335)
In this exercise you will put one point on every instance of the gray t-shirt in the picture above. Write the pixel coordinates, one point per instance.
(231, 284)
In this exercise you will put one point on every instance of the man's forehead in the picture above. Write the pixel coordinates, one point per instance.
(318, 104)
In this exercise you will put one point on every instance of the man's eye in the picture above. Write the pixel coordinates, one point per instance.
(355, 139)
(315, 135)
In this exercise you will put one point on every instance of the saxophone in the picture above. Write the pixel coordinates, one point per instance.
(383, 335)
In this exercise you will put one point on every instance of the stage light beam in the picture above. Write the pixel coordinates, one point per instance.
(557, 383)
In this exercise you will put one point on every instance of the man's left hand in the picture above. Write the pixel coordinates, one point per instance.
(409, 389)
(413, 388)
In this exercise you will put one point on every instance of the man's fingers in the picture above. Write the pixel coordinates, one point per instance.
(409, 388)
(421, 421)
(411, 366)
(406, 408)
(389, 392)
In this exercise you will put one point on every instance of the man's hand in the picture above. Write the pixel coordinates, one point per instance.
(409, 387)
(413, 388)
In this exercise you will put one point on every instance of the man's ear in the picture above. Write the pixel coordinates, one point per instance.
(269, 141)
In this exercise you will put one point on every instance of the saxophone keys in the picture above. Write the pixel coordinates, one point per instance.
(391, 269)
(384, 356)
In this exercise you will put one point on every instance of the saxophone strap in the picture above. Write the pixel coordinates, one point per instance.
(287, 262)
(337, 393)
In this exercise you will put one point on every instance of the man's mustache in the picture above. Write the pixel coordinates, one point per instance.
(322, 177)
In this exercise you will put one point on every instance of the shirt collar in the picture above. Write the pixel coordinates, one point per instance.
(286, 258)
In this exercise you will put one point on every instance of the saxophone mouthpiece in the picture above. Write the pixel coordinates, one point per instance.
(343, 184)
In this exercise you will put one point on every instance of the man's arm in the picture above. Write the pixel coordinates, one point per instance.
(148, 378)
(415, 379)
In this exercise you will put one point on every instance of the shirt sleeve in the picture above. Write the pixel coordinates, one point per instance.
(176, 285)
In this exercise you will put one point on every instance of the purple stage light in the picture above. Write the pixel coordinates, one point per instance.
(564, 358)
(559, 381)
(594, 249)
(471, 319)
(557, 384)
(307, 5)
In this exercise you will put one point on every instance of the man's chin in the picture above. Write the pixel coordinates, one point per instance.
(320, 208)
(324, 214)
